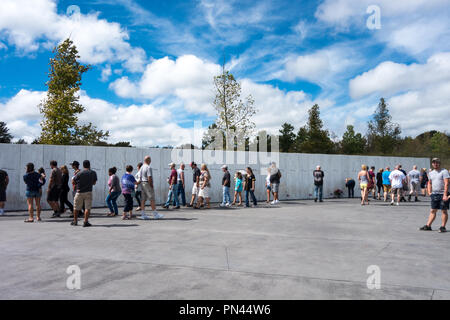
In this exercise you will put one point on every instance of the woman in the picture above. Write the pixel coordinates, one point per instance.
(138, 188)
(238, 186)
(205, 185)
(268, 186)
(114, 192)
(424, 181)
(34, 183)
(250, 185)
(63, 199)
(128, 186)
(41, 171)
(364, 178)
(379, 183)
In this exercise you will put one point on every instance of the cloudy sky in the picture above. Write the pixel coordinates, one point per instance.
(153, 62)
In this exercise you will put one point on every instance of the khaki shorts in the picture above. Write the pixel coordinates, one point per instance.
(195, 190)
(82, 198)
(275, 187)
(148, 193)
(414, 186)
(397, 191)
(204, 193)
(386, 188)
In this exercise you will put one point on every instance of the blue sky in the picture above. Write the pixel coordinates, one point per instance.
(153, 62)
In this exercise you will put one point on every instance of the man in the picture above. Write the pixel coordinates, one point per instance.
(76, 168)
(54, 188)
(84, 181)
(181, 185)
(226, 184)
(148, 191)
(414, 183)
(350, 185)
(318, 175)
(386, 183)
(397, 179)
(4, 181)
(196, 173)
(405, 184)
(275, 177)
(371, 186)
(439, 180)
(173, 187)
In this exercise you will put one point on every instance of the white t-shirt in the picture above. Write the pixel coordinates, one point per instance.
(437, 180)
(145, 173)
(179, 171)
(414, 176)
(397, 177)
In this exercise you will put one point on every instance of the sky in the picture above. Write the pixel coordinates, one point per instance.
(153, 62)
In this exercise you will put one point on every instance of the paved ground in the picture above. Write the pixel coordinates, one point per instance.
(298, 250)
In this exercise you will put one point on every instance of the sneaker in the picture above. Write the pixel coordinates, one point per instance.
(321, 201)
(273, 202)
(416, 200)
(165, 207)
(397, 204)
(442, 230)
(425, 228)
(74, 223)
(157, 215)
(228, 205)
(409, 198)
(392, 203)
(86, 224)
(144, 217)
(177, 207)
(189, 205)
(315, 199)
(56, 215)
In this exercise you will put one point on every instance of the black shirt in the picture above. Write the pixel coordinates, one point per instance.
(249, 182)
(84, 180)
(3, 176)
(226, 178)
(196, 173)
(65, 182)
(350, 184)
(318, 177)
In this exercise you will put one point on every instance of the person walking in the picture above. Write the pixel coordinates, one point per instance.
(138, 188)
(226, 184)
(84, 181)
(268, 186)
(128, 186)
(76, 168)
(386, 183)
(4, 181)
(33, 182)
(181, 186)
(196, 173)
(397, 179)
(64, 195)
(318, 175)
(275, 179)
(379, 183)
(173, 185)
(414, 183)
(405, 184)
(372, 183)
(205, 185)
(424, 181)
(113, 193)
(350, 185)
(438, 188)
(249, 187)
(364, 180)
(148, 190)
(238, 186)
(54, 188)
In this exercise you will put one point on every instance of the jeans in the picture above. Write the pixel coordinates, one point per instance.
(318, 191)
(226, 195)
(180, 190)
(351, 192)
(173, 192)
(252, 194)
(111, 201)
(63, 200)
(128, 202)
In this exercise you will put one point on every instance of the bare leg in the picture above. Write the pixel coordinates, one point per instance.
(38, 209)
(30, 209)
(431, 217)
(444, 218)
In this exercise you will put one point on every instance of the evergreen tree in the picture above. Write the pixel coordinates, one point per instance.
(353, 143)
(313, 139)
(5, 136)
(287, 137)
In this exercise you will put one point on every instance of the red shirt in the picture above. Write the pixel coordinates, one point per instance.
(173, 177)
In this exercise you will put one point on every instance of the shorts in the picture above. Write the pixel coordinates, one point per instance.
(275, 187)
(32, 194)
(269, 188)
(414, 186)
(2, 195)
(148, 193)
(437, 203)
(195, 190)
(82, 198)
(386, 188)
(53, 194)
(204, 193)
(363, 186)
(397, 191)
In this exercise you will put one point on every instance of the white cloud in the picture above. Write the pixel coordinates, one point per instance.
(27, 25)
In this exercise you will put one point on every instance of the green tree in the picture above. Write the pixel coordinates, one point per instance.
(5, 136)
(313, 138)
(61, 107)
(383, 135)
(353, 143)
(440, 145)
(287, 137)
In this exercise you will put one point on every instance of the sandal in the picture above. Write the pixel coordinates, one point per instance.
(38, 219)
(111, 215)
(29, 221)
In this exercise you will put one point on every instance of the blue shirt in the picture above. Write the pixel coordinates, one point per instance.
(32, 180)
(386, 180)
(128, 181)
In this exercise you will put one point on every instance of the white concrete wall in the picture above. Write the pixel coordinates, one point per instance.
(297, 181)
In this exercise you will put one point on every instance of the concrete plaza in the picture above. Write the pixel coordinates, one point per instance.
(295, 250)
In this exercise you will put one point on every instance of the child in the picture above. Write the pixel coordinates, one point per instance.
(238, 188)
(268, 185)
(128, 184)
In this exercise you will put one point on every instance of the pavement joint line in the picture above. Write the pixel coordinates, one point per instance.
(432, 294)
(274, 275)
(228, 263)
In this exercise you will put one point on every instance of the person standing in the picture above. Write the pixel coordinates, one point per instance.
(350, 185)
(64, 200)
(275, 179)
(84, 181)
(76, 168)
(268, 186)
(181, 185)
(372, 182)
(54, 188)
(379, 183)
(196, 173)
(173, 187)
(238, 186)
(414, 183)
(226, 184)
(4, 181)
(249, 187)
(113, 193)
(397, 179)
(128, 187)
(318, 175)
(405, 184)
(424, 181)
(205, 185)
(438, 188)
(386, 183)
(364, 180)
(33, 181)
(148, 190)
(138, 188)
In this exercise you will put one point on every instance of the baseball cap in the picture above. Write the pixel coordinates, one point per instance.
(436, 160)
(193, 164)
(224, 166)
(171, 164)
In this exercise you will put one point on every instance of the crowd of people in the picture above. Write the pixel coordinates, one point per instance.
(394, 185)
